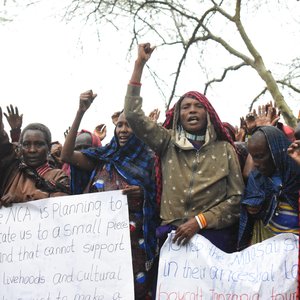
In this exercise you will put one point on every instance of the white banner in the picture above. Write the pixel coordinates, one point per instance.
(66, 248)
(201, 271)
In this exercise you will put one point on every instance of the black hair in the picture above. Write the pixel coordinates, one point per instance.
(297, 131)
(37, 126)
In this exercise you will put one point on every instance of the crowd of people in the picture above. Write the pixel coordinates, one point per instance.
(193, 173)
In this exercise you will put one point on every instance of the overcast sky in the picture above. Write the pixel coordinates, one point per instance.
(45, 64)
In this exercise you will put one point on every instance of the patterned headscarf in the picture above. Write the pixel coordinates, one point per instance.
(172, 119)
(230, 129)
(264, 192)
(134, 162)
(172, 116)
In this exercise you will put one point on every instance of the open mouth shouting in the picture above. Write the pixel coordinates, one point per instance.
(193, 120)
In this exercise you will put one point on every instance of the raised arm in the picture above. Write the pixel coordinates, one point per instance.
(6, 148)
(146, 129)
(15, 122)
(3, 135)
(144, 54)
(68, 154)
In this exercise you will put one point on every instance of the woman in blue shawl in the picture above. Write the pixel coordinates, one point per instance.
(125, 163)
(270, 201)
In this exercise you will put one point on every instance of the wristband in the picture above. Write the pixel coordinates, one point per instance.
(198, 221)
(202, 220)
(135, 83)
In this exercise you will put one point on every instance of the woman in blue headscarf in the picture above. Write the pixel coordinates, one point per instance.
(270, 201)
(125, 163)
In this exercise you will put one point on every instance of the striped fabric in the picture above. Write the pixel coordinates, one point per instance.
(50, 186)
(285, 219)
(42, 170)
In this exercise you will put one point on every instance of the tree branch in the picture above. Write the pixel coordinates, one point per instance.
(257, 97)
(226, 70)
(289, 85)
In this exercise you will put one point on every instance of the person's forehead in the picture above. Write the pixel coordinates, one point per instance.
(121, 117)
(258, 138)
(189, 100)
(34, 133)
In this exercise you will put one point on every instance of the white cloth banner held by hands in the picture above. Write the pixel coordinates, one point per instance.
(66, 248)
(201, 271)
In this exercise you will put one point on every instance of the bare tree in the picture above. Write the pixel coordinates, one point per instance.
(191, 25)
(4, 14)
(9, 8)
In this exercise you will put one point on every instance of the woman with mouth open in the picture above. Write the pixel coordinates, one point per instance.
(125, 164)
(200, 176)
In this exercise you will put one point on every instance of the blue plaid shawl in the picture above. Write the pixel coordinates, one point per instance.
(267, 191)
(135, 163)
